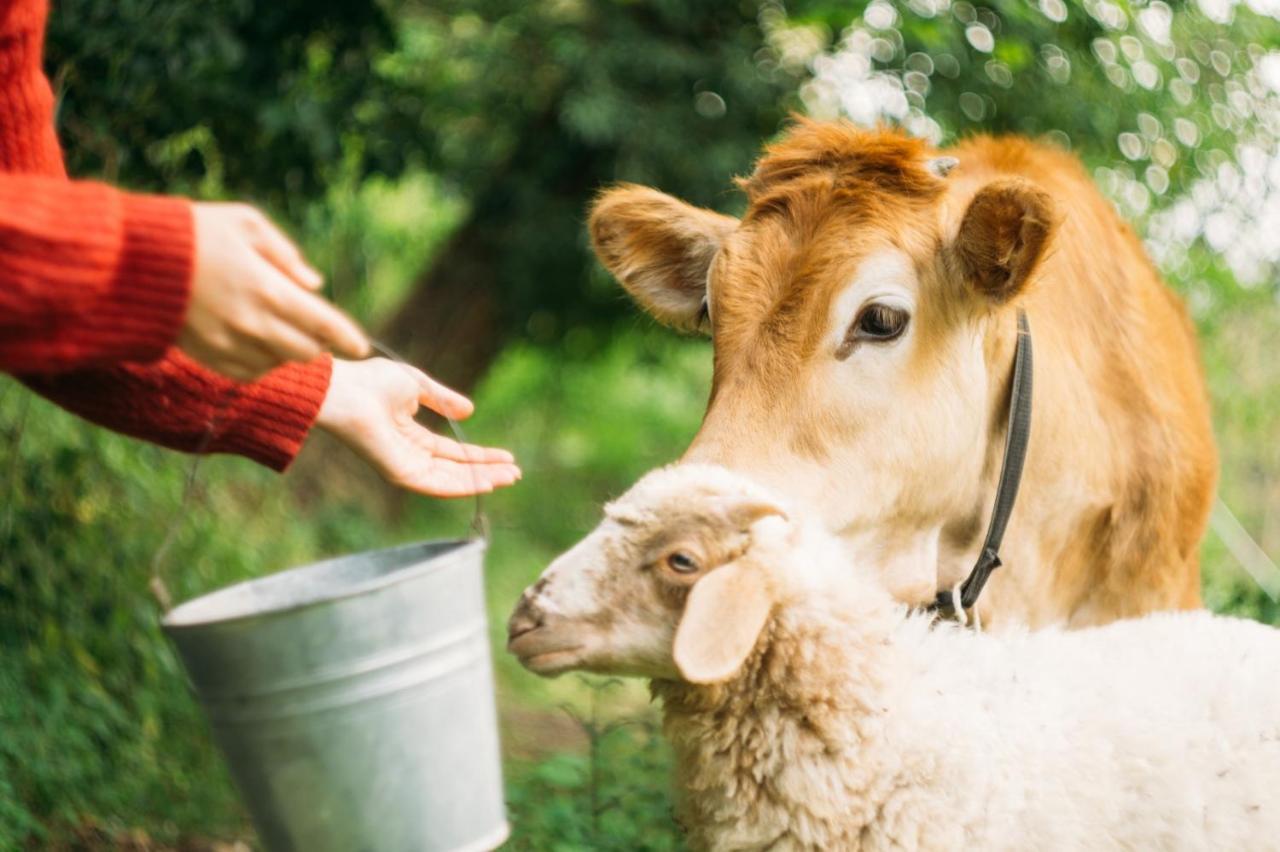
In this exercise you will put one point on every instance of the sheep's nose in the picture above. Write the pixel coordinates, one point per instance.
(526, 617)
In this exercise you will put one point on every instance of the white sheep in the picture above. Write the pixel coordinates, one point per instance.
(809, 710)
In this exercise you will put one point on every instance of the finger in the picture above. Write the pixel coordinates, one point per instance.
(287, 343)
(242, 361)
(283, 254)
(441, 399)
(447, 448)
(446, 478)
(233, 370)
(312, 315)
(254, 360)
(487, 469)
(240, 371)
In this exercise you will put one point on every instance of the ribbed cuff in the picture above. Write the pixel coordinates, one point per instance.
(269, 419)
(152, 283)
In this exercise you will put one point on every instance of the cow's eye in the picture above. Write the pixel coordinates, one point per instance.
(681, 562)
(879, 323)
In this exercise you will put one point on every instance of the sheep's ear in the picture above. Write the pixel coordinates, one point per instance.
(1002, 237)
(660, 249)
(723, 617)
(744, 514)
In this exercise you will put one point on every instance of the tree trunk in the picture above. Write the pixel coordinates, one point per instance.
(518, 251)
(449, 324)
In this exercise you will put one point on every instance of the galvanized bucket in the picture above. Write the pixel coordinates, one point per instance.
(353, 700)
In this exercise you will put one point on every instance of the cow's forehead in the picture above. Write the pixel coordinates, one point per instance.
(778, 275)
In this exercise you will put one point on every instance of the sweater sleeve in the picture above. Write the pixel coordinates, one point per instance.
(178, 404)
(89, 275)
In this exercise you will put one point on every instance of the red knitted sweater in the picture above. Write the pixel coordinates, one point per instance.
(94, 285)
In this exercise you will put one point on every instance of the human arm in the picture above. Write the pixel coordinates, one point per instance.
(177, 403)
(95, 283)
(92, 276)
(368, 405)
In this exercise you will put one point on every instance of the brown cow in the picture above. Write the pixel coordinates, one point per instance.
(863, 313)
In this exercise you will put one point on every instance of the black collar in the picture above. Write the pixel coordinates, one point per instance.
(1015, 453)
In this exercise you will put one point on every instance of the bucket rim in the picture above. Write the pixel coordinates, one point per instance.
(185, 616)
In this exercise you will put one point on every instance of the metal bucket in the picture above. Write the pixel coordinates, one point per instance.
(353, 700)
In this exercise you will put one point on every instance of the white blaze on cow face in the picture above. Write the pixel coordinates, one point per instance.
(917, 412)
(884, 438)
(885, 277)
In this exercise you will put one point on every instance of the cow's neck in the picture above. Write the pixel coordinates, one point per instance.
(963, 536)
(905, 558)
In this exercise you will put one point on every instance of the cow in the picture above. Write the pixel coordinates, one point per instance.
(863, 313)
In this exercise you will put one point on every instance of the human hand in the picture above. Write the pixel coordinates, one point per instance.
(371, 406)
(253, 304)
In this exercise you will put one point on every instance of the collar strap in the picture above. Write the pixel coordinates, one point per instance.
(1015, 454)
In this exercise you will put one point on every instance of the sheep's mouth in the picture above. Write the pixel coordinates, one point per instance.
(541, 652)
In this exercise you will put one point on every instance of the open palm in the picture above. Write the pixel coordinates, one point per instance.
(371, 407)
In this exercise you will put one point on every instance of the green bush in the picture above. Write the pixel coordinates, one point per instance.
(613, 796)
(96, 725)
(96, 719)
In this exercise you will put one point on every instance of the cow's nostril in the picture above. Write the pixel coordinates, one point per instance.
(525, 618)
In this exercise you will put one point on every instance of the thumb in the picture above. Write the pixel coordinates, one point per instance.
(441, 399)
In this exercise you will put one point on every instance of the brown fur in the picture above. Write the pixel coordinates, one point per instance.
(661, 252)
(1004, 232)
(1122, 467)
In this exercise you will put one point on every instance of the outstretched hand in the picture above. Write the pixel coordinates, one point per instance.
(371, 406)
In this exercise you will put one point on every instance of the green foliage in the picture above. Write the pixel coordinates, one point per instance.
(372, 236)
(615, 82)
(591, 427)
(613, 797)
(532, 107)
(96, 725)
(526, 108)
(1083, 72)
(1236, 328)
(95, 718)
(250, 99)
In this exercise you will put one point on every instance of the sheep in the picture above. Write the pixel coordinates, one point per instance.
(809, 710)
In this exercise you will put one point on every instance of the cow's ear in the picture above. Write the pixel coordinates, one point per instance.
(660, 249)
(1003, 235)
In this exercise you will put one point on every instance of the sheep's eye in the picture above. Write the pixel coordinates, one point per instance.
(682, 563)
(880, 323)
